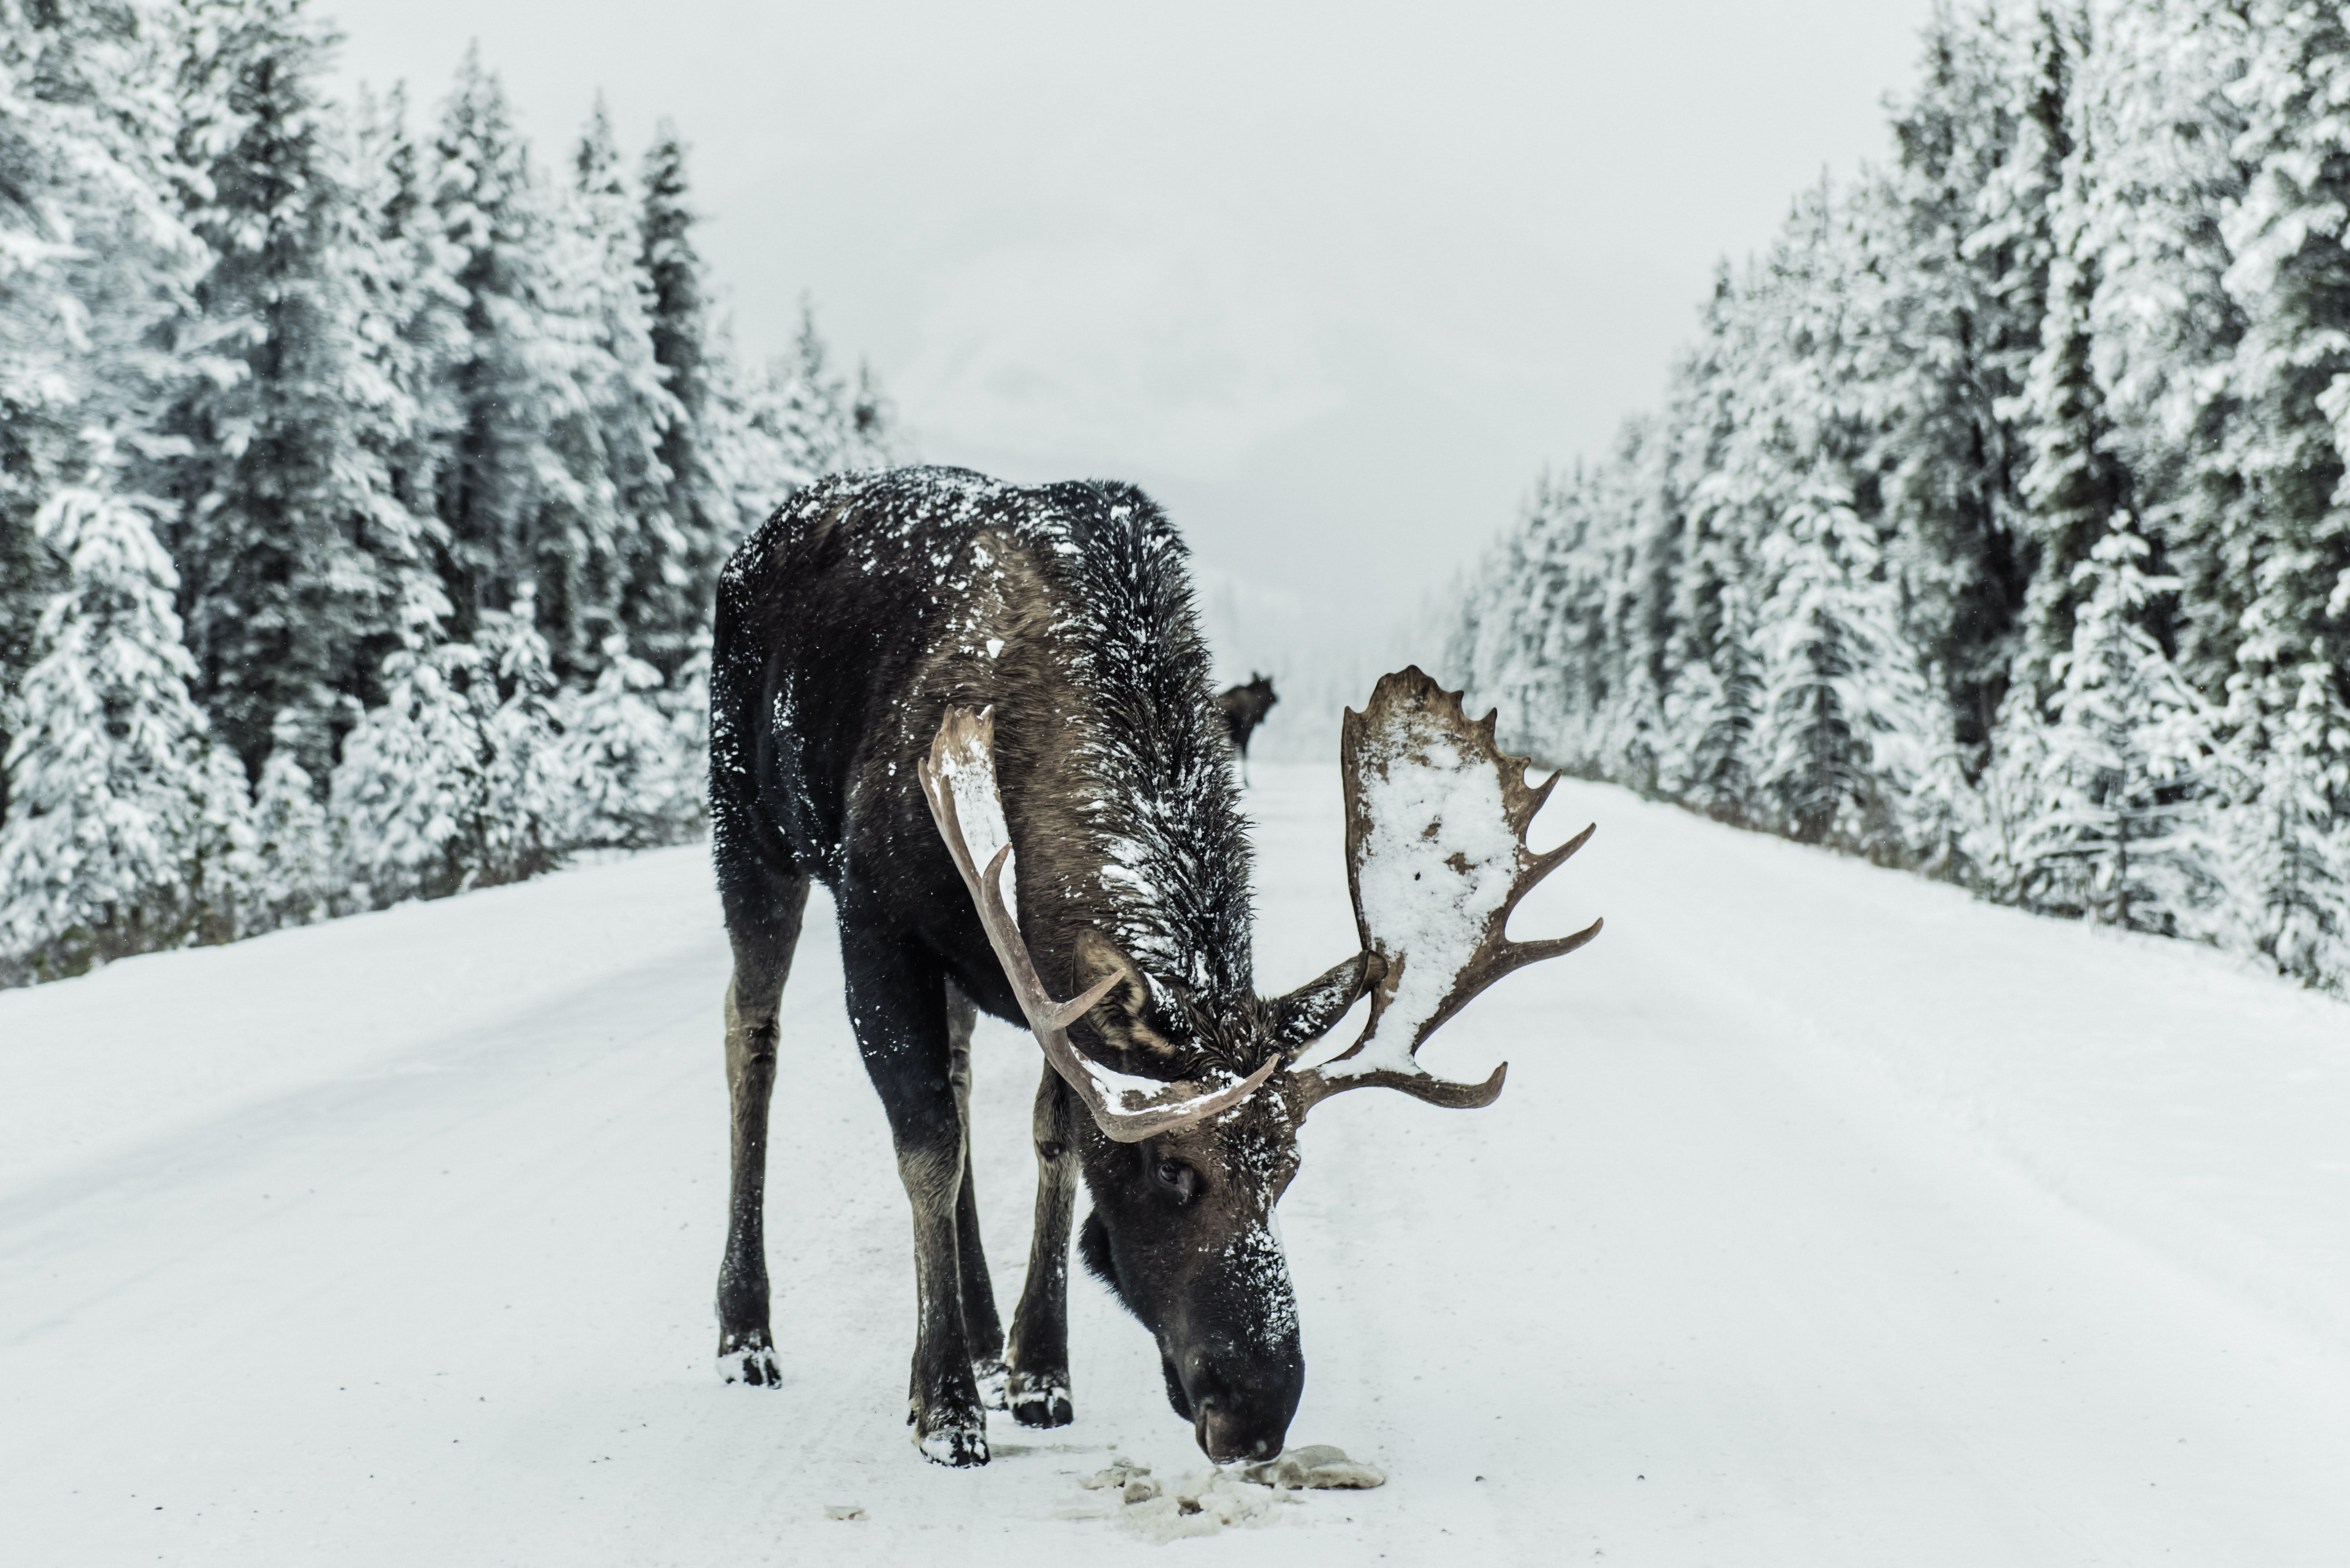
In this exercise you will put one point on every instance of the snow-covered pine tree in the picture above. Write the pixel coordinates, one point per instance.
(127, 829)
(2162, 327)
(94, 261)
(529, 805)
(1951, 326)
(1846, 722)
(1491, 648)
(2014, 241)
(2288, 850)
(2118, 822)
(2288, 560)
(1712, 661)
(1634, 491)
(2076, 485)
(285, 496)
(414, 330)
(633, 779)
(820, 421)
(1843, 716)
(525, 492)
(406, 798)
(292, 852)
(668, 596)
(456, 781)
(640, 415)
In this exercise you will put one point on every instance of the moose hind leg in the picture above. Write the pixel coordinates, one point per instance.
(1037, 1389)
(983, 1330)
(762, 921)
(897, 1004)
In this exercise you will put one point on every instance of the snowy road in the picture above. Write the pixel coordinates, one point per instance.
(1827, 1218)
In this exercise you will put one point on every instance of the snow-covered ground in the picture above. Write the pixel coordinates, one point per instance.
(1827, 1218)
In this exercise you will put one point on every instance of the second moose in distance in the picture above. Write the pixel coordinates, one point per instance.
(1244, 708)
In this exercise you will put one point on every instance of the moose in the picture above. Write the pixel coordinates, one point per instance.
(979, 714)
(1243, 708)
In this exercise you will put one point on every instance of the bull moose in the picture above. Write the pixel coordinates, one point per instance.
(1243, 708)
(980, 714)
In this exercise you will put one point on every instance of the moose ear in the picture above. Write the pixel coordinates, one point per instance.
(1310, 1011)
(1119, 1016)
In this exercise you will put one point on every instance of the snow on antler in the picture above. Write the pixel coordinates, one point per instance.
(1436, 859)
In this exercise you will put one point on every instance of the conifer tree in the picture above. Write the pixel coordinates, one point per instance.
(2118, 825)
(1711, 654)
(292, 880)
(406, 798)
(127, 829)
(1954, 320)
(669, 595)
(2153, 102)
(2288, 851)
(631, 779)
(1844, 719)
(526, 490)
(638, 413)
(281, 487)
(94, 262)
(2290, 556)
(408, 323)
(2076, 485)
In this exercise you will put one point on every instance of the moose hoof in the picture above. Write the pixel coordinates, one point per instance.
(1040, 1399)
(748, 1358)
(956, 1443)
(990, 1376)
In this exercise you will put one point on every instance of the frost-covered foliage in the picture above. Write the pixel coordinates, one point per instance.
(634, 778)
(456, 780)
(1997, 523)
(128, 828)
(362, 491)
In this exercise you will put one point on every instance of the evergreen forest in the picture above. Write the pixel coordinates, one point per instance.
(364, 476)
(1996, 523)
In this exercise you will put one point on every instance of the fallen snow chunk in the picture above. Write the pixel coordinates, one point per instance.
(843, 1511)
(1142, 1489)
(1120, 1471)
(1200, 1505)
(1317, 1466)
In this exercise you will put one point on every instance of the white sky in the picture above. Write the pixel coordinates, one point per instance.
(1334, 281)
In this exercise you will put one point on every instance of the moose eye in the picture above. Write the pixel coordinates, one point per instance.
(1176, 1178)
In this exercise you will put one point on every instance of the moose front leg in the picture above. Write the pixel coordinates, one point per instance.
(1037, 1389)
(897, 1002)
(983, 1330)
(763, 922)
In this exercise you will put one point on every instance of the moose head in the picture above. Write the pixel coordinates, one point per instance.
(1194, 1109)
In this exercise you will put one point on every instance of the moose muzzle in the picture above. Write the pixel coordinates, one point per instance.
(1238, 1400)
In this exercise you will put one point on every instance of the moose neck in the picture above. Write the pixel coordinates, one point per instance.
(1133, 819)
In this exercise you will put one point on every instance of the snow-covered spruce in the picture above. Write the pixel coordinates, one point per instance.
(376, 391)
(1994, 526)
(128, 828)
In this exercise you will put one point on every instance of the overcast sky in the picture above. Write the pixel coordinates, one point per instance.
(1334, 282)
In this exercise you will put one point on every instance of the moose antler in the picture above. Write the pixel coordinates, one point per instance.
(959, 774)
(1436, 859)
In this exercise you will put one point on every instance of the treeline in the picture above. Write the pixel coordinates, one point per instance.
(1996, 523)
(362, 489)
